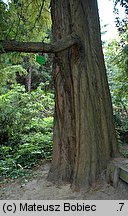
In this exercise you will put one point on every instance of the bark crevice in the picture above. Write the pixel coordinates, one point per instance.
(82, 95)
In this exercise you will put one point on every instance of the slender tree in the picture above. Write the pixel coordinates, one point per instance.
(84, 136)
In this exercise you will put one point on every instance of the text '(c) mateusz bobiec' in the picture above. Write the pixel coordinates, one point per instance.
(66, 206)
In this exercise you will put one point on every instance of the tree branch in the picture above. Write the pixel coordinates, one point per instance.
(36, 47)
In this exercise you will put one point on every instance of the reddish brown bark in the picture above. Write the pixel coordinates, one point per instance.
(84, 134)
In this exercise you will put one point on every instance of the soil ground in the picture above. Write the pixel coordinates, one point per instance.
(38, 188)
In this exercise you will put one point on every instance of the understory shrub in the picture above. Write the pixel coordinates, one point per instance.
(121, 124)
(26, 122)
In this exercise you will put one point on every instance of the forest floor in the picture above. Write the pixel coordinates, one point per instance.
(38, 188)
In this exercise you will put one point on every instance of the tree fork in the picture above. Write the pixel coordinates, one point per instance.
(36, 47)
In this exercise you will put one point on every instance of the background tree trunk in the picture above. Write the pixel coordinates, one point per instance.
(29, 79)
(84, 134)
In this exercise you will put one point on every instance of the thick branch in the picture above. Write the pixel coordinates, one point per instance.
(36, 47)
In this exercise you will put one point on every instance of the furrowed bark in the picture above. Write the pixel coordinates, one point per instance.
(36, 47)
(84, 136)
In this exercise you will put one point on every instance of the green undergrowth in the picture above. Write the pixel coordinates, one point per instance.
(26, 122)
(122, 134)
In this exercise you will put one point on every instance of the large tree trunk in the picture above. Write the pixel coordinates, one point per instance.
(84, 134)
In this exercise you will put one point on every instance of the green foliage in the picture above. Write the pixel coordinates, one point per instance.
(25, 20)
(117, 68)
(121, 23)
(116, 57)
(25, 129)
(8, 76)
(121, 122)
(25, 119)
(19, 110)
(3, 19)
